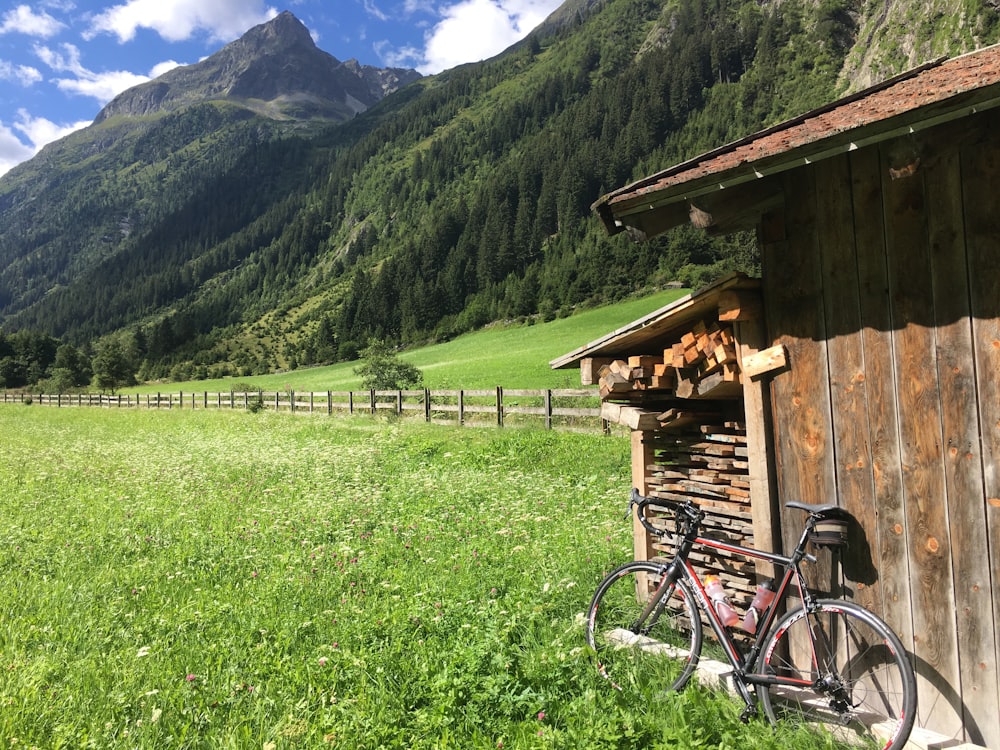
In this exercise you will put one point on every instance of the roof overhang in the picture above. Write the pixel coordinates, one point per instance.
(647, 334)
(732, 180)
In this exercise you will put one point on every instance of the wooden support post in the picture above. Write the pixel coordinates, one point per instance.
(427, 404)
(642, 456)
(461, 407)
(764, 506)
(499, 406)
(548, 409)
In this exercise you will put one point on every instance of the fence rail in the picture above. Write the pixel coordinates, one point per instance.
(562, 408)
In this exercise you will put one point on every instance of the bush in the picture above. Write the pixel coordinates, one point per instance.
(382, 370)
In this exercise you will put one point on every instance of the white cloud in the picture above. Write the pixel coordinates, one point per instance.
(37, 130)
(402, 57)
(373, 10)
(40, 131)
(24, 20)
(12, 151)
(477, 29)
(177, 20)
(23, 74)
(103, 86)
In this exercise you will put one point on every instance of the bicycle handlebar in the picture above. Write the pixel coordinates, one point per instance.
(686, 513)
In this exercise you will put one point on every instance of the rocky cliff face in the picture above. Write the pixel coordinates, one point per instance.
(274, 68)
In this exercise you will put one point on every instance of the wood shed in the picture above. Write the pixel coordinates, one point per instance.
(862, 367)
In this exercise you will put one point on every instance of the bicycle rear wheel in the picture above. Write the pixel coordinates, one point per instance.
(646, 634)
(854, 674)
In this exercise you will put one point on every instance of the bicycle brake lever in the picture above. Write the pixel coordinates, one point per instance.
(628, 510)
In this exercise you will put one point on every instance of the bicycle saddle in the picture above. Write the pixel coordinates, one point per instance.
(816, 510)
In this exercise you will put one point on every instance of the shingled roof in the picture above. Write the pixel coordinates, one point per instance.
(934, 93)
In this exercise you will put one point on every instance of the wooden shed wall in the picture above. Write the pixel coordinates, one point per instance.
(881, 275)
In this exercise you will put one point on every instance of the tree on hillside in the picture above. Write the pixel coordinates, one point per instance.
(382, 370)
(114, 365)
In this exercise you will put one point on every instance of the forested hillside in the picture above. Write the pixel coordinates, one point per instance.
(461, 199)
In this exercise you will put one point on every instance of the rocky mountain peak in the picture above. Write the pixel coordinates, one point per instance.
(275, 69)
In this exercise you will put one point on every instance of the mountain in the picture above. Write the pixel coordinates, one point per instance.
(274, 69)
(216, 225)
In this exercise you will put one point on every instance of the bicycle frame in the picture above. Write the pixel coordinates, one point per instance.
(742, 664)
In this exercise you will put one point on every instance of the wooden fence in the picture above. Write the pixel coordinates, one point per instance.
(564, 408)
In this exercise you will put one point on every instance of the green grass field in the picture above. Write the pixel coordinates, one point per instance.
(231, 580)
(514, 356)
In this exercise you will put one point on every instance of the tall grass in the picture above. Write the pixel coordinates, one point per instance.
(228, 580)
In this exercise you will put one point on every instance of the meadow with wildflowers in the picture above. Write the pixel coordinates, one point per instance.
(211, 579)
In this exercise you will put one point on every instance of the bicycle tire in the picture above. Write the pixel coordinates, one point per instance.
(650, 658)
(869, 687)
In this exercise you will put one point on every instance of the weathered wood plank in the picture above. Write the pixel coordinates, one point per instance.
(768, 360)
(919, 417)
(960, 424)
(981, 168)
(884, 526)
(849, 398)
(793, 306)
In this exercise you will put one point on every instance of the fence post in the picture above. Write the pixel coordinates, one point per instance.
(461, 407)
(329, 403)
(291, 402)
(350, 402)
(399, 403)
(374, 404)
(548, 409)
(499, 406)
(427, 404)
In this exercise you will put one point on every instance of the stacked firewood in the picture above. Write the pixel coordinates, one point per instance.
(638, 373)
(703, 364)
(708, 464)
(706, 363)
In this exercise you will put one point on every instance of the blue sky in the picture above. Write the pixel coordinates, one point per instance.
(62, 60)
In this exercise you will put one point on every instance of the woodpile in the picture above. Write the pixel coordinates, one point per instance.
(708, 464)
(639, 373)
(703, 364)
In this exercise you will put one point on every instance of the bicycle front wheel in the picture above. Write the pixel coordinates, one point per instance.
(646, 633)
(846, 671)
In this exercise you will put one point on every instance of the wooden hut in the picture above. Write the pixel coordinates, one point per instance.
(864, 364)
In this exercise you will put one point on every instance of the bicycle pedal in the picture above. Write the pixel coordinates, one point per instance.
(750, 712)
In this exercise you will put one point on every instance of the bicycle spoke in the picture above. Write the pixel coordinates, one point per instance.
(643, 645)
(854, 676)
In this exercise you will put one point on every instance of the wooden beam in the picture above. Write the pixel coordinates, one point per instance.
(642, 456)
(647, 224)
(739, 305)
(736, 208)
(762, 362)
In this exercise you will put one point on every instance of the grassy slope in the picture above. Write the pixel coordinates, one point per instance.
(514, 356)
(228, 580)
